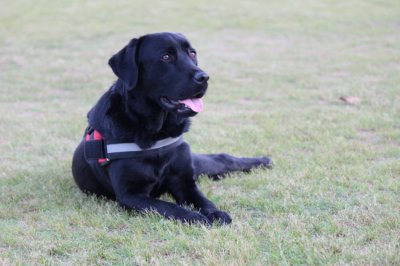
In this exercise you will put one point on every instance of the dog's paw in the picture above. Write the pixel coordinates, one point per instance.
(219, 217)
(195, 217)
(266, 162)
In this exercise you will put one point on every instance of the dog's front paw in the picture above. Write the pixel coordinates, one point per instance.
(266, 162)
(219, 217)
(195, 217)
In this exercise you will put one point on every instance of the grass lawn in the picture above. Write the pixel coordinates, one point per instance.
(278, 69)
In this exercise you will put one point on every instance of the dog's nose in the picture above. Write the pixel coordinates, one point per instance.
(201, 77)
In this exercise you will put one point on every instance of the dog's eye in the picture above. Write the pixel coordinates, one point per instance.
(193, 54)
(166, 58)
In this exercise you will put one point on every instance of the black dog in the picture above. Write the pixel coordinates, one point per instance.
(133, 150)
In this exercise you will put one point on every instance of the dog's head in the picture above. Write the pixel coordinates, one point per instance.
(163, 68)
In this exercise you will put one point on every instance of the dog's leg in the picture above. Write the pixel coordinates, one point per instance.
(169, 210)
(133, 193)
(218, 165)
(188, 193)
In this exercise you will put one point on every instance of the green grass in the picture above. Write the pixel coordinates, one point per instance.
(277, 71)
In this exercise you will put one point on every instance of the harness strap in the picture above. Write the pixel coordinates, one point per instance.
(96, 147)
(130, 150)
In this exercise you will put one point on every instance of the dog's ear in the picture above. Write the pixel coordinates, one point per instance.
(124, 64)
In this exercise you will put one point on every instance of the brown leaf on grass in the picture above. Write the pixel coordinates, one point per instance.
(350, 99)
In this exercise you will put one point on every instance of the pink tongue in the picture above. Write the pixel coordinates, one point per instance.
(196, 104)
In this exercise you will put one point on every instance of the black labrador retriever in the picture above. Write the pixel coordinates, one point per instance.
(133, 150)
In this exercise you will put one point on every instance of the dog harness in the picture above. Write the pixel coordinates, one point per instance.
(97, 149)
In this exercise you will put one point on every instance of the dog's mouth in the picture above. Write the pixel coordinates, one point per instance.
(183, 106)
(194, 104)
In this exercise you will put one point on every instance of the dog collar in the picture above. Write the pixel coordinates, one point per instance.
(96, 147)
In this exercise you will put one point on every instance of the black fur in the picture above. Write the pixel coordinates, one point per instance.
(155, 72)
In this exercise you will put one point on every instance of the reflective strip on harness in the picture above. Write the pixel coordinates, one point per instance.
(130, 150)
(133, 147)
